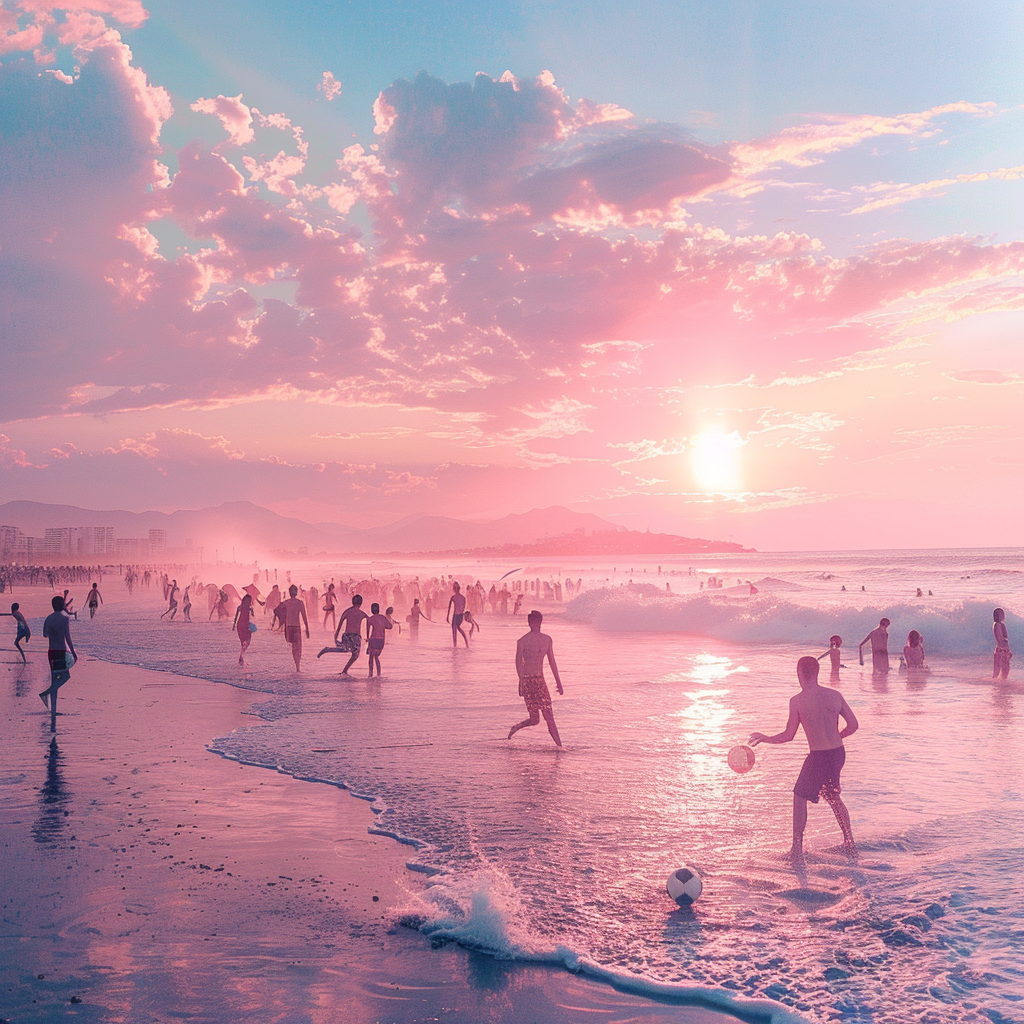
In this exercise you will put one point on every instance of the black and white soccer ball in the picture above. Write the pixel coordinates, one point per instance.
(684, 886)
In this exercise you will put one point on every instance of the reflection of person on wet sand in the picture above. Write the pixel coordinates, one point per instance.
(531, 650)
(817, 709)
(879, 640)
(1003, 654)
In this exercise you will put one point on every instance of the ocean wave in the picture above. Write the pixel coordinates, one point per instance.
(480, 911)
(963, 629)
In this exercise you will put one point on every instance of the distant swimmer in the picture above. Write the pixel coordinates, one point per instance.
(350, 627)
(243, 615)
(920, 593)
(817, 709)
(531, 650)
(834, 654)
(456, 613)
(330, 600)
(1003, 654)
(172, 600)
(879, 640)
(293, 614)
(376, 624)
(57, 630)
(93, 601)
(23, 632)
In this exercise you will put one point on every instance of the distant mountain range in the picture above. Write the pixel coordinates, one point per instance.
(255, 531)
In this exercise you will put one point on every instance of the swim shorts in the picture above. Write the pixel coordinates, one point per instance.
(375, 644)
(293, 634)
(351, 643)
(23, 633)
(820, 770)
(534, 690)
(59, 660)
(880, 661)
(457, 621)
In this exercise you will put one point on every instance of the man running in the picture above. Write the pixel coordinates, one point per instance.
(817, 709)
(24, 633)
(879, 640)
(531, 650)
(93, 601)
(456, 613)
(352, 619)
(172, 601)
(293, 612)
(57, 629)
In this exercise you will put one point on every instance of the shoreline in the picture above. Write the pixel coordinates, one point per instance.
(125, 891)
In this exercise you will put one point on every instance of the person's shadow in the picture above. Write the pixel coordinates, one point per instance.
(53, 800)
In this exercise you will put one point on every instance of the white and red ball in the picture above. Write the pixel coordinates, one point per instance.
(741, 759)
(684, 886)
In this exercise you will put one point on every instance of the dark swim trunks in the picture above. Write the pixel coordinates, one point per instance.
(376, 644)
(59, 660)
(457, 621)
(23, 633)
(351, 643)
(820, 771)
(534, 690)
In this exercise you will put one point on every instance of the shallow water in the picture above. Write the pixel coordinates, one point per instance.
(562, 855)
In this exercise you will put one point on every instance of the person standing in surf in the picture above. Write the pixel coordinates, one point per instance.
(531, 650)
(243, 615)
(293, 614)
(879, 640)
(352, 619)
(330, 599)
(376, 624)
(1003, 654)
(93, 600)
(834, 654)
(456, 613)
(413, 618)
(818, 710)
(57, 630)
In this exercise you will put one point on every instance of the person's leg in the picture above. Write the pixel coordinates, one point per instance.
(464, 637)
(351, 662)
(796, 852)
(549, 717)
(997, 664)
(534, 719)
(832, 798)
(297, 652)
(455, 635)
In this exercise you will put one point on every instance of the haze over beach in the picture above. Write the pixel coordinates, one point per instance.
(694, 330)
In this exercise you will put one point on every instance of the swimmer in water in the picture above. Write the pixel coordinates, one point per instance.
(834, 654)
(879, 640)
(531, 650)
(817, 709)
(913, 651)
(1003, 654)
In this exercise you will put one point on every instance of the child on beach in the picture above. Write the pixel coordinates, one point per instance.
(818, 710)
(1003, 654)
(835, 643)
(390, 613)
(376, 624)
(24, 633)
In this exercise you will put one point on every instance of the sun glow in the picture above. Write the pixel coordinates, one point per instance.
(716, 461)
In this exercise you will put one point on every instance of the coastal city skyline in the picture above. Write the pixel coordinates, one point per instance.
(467, 261)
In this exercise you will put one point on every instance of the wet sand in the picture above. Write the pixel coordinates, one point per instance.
(147, 879)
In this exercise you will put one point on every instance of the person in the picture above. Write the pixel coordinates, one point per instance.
(913, 651)
(879, 640)
(456, 613)
(23, 632)
(243, 614)
(834, 654)
(186, 605)
(919, 592)
(1003, 654)
(413, 618)
(531, 650)
(172, 601)
(518, 604)
(390, 613)
(474, 626)
(376, 624)
(817, 710)
(330, 599)
(271, 603)
(352, 619)
(57, 630)
(292, 612)
(93, 601)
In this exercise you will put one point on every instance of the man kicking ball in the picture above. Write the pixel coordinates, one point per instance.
(817, 709)
(531, 651)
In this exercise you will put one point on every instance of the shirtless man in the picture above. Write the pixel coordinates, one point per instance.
(531, 650)
(330, 599)
(817, 709)
(293, 614)
(879, 640)
(352, 619)
(375, 626)
(93, 600)
(1002, 655)
(456, 613)
(57, 629)
(24, 633)
(172, 600)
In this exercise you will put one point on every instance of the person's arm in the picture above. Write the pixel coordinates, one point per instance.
(554, 667)
(850, 718)
(67, 636)
(520, 659)
(825, 655)
(305, 621)
(100, 596)
(787, 734)
(238, 611)
(447, 617)
(866, 640)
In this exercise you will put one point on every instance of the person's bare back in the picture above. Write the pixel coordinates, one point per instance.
(818, 709)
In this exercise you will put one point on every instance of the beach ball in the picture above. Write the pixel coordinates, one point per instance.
(684, 886)
(741, 759)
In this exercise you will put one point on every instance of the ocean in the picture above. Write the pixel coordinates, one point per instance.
(560, 856)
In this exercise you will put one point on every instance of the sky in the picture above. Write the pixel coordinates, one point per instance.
(741, 270)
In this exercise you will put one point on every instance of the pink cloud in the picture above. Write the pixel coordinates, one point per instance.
(233, 114)
(886, 194)
(329, 86)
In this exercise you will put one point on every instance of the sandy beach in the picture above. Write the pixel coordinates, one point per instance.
(148, 879)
